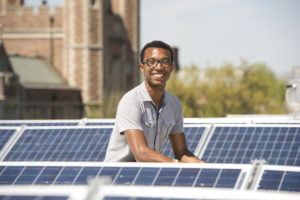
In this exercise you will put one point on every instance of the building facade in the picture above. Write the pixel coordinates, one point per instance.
(94, 44)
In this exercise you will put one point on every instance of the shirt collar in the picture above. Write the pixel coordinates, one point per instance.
(146, 96)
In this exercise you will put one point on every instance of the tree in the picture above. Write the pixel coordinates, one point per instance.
(216, 92)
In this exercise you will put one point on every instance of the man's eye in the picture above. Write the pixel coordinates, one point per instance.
(166, 61)
(151, 61)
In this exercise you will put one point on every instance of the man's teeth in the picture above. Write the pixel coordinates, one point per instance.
(158, 75)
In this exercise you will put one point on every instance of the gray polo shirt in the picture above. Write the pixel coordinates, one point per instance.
(136, 110)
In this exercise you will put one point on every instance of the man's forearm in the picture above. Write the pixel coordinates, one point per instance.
(146, 154)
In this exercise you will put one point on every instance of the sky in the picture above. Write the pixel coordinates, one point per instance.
(215, 32)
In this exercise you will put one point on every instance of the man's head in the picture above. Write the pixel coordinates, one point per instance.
(156, 63)
(156, 44)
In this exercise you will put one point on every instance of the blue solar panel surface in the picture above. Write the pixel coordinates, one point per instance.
(5, 135)
(66, 144)
(280, 181)
(276, 145)
(32, 197)
(154, 176)
(99, 123)
(192, 135)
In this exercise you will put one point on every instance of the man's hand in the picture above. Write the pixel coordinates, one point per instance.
(180, 149)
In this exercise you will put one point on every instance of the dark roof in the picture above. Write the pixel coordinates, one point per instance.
(38, 73)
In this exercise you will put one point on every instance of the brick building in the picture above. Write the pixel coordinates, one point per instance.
(93, 44)
(30, 88)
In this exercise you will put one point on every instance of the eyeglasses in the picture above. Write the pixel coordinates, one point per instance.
(152, 62)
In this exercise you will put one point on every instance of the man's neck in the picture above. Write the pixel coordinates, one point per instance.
(156, 93)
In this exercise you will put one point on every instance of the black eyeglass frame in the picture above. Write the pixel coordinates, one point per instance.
(156, 62)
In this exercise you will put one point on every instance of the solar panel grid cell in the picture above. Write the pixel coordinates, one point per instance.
(146, 176)
(280, 180)
(276, 145)
(5, 135)
(28, 176)
(291, 182)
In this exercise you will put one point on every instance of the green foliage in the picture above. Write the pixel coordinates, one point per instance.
(107, 109)
(216, 92)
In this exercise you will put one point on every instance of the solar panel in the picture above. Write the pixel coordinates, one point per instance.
(193, 134)
(191, 176)
(18, 123)
(60, 144)
(278, 145)
(99, 124)
(31, 197)
(5, 135)
(280, 180)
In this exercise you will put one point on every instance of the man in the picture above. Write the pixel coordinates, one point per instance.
(148, 114)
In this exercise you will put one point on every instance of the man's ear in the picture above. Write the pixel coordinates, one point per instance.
(172, 67)
(142, 67)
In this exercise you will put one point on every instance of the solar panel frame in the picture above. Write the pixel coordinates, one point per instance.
(186, 121)
(101, 190)
(183, 193)
(217, 120)
(45, 192)
(33, 197)
(223, 148)
(52, 146)
(98, 122)
(276, 119)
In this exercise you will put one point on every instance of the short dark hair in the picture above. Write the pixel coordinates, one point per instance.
(156, 44)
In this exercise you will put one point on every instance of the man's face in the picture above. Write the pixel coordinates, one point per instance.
(157, 75)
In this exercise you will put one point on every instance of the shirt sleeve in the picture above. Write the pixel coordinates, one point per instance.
(128, 114)
(178, 127)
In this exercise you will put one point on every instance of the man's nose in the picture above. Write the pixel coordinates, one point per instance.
(159, 66)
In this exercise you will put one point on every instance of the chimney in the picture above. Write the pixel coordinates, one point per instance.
(176, 62)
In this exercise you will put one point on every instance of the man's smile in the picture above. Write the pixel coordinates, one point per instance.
(158, 75)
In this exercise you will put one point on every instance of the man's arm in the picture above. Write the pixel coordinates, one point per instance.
(143, 153)
(140, 149)
(180, 149)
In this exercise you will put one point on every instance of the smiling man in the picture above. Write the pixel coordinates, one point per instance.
(147, 115)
